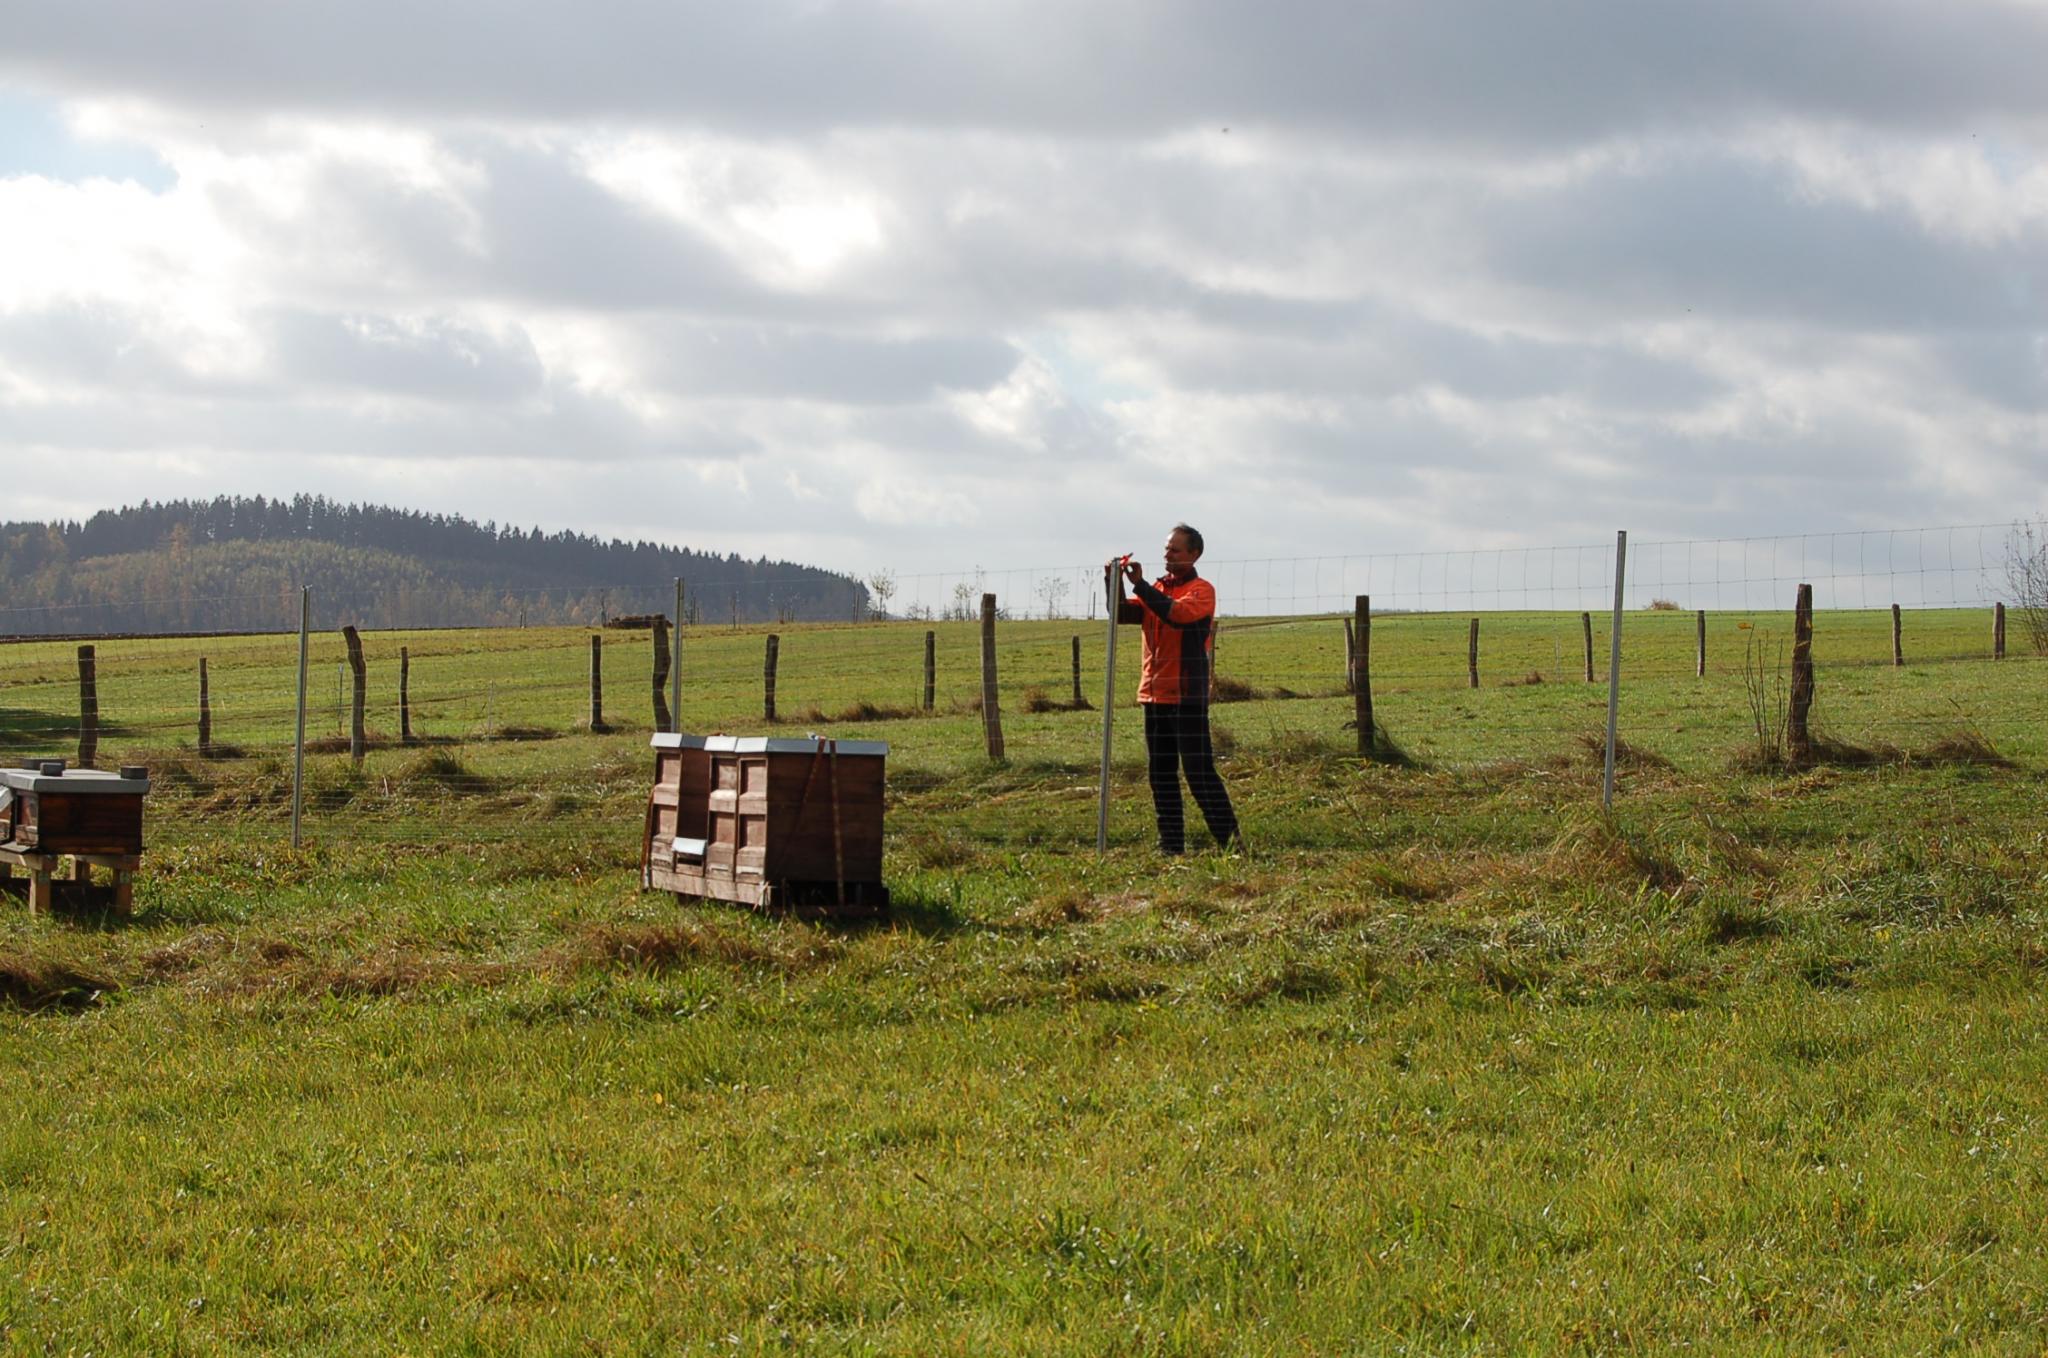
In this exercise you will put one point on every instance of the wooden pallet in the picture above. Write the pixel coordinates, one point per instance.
(839, 900)
(42, 869)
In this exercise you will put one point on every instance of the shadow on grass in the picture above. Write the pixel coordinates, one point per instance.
(50, 734)
(1964, 747)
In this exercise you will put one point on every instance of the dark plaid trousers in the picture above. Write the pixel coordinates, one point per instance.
(1176, 739)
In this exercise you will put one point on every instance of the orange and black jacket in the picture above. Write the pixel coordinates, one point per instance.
(1179, 618)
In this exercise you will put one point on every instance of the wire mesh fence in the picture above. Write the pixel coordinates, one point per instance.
(1490, 661)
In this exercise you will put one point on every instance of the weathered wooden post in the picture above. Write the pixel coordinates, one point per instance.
(991, 712)
(1799, 703)
(663, 720)
(1079, 702)
(1350, 657)
(1699, 668)
(1586, 626)
(597, 723)
(205, 714)
(931, 668)
(357, 741)
(404, 695)
(768, 661)
(1472, 653)
(1361, 671)
(1998, 631)
(88, 708)
(1898, 644)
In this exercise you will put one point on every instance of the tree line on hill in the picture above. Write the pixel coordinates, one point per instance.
(237, 563)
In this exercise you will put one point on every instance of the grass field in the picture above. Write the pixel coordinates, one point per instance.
(1450, 1064)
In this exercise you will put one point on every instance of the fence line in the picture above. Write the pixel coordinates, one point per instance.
(1439, 686)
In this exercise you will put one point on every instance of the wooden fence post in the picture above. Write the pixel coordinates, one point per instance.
(991, 712)
(1472, 653)
(1898, 644)
(359, 688)
(1586, 626)
(404, 695)
(1361, 671)
(663, 719)
(931, 668)
(1998, 631)
(597, 685)
(768, 661)
(1798, 738)
(1699, 668)
(88, 708)
(205, 714)
(1079, 702)
(1350, 657)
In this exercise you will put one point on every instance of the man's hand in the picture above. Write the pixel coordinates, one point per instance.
(1133, 572)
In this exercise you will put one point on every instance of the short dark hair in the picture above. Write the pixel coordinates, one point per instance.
(1190, 536)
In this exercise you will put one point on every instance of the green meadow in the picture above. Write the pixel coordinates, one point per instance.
(1450, 1063)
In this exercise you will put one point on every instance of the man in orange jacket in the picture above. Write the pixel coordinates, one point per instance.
(1178, 614)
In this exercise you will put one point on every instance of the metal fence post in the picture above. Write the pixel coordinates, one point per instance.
(299, 739)
(1614, 669)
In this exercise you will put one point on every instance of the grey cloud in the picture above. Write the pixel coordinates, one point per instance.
(97, 344)
(561, 426)
(1717, 237)
(440, 359)
(1386, 353)
(1423, 69)
(733, 360)
(2010, 368)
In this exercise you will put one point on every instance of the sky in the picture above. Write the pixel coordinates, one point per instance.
(932, 284)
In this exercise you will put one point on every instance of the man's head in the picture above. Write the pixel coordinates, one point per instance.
(1183, 549)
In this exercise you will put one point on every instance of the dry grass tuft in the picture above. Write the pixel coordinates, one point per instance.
(658, 947)
(1593, 750)
(522, 733)
(815, 715)
(1036, 699)
(1964, 746)
(35, 983)
(1068, 905)
(1225, 689)
(438, 770)
(1594, 848)
(372, 740)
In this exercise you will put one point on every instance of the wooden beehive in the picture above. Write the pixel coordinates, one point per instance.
(767, 821)
(49, 813)
(54, 810)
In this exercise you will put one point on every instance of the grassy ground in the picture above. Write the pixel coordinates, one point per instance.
(1451, 1064)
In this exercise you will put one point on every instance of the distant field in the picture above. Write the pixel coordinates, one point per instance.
(1450, 1064)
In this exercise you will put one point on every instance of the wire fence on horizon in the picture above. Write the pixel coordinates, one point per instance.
(495, 737)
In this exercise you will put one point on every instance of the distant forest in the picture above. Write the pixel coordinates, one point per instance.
(235, 563)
